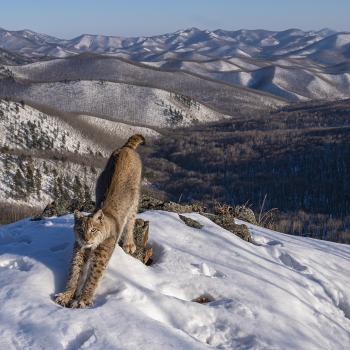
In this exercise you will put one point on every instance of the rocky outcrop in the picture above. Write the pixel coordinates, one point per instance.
(244, 213)
(151, 203)
(62, 207)
(224, 215)
(190, 222)
(228, 223)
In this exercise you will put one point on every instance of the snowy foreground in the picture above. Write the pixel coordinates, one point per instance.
(282, 292)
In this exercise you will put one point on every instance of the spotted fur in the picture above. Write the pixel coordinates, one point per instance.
(96, 235)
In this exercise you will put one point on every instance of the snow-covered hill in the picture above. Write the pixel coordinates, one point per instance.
(8, 57)
(225, 98)
(41, 154)
(282, 292)
(292, 82)
(131, 104)
(263, 60)
(330, 50)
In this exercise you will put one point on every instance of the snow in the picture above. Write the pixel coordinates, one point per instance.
(282, 292)
(116, 128)
(126, 103)
(15, 119)
(94, 69)
(246, 42)
(342, 40)
(242, 63)
(292, 82)
(270, 41)
(26, 130)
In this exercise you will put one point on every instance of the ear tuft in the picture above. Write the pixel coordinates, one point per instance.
(78, 215)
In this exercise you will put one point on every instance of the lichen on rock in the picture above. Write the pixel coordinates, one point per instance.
(190, 222)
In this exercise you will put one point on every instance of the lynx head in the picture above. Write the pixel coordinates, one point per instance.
(89, 230)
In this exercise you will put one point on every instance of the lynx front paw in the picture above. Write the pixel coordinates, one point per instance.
(80, 304)
(63, 298)
(129, 247)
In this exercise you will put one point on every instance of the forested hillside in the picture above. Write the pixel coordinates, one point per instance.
(298, 157)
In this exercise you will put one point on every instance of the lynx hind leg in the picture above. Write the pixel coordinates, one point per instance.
(78, 260)
(129, 245)
(100, 258)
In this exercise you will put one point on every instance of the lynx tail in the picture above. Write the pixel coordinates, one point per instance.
(134, 141)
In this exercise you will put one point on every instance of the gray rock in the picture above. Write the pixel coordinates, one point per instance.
(190, 222)
(149, 203)
(228, 223)
(62, 207)
(244, 213)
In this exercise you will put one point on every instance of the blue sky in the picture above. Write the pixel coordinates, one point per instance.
(67, 19)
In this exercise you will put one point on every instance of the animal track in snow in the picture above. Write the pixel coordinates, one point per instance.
(333, 293)
(344, 306)
(274, 243)
(83, 340)
(233, 306)
(59, 247)
(27, 311)
(206, 270)
(218, 333)
(20, 264)
(22, 340)
(262, 241)
(116, 292)
(15, 238)
(289, 261)
(159, 252)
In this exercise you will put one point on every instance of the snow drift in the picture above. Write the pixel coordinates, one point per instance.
(282, 292)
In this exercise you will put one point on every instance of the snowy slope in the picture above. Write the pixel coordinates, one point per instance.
(131, 104)
(282, 292)
(7, 57)
(330, 50)
(294, 83)
(52, 148)
(293, 79)
(222, 97)
(24, 127)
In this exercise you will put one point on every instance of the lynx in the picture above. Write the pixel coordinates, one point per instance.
(117, 197)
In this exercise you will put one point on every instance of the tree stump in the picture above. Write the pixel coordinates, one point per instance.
(143, 249)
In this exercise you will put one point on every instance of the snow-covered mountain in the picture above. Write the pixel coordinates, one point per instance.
(282, 292)
(131, 104)
(293, 64)
(185, 44)
(97, 72)
(8, 57)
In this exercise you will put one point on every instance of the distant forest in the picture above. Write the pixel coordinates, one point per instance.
(298, 157)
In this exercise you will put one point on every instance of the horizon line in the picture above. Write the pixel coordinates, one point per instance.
(178, 30)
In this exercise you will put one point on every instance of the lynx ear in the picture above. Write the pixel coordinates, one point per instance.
(99, 215)
(78, 215)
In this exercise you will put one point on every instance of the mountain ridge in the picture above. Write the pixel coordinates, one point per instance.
(305, 65)
(122, 42)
